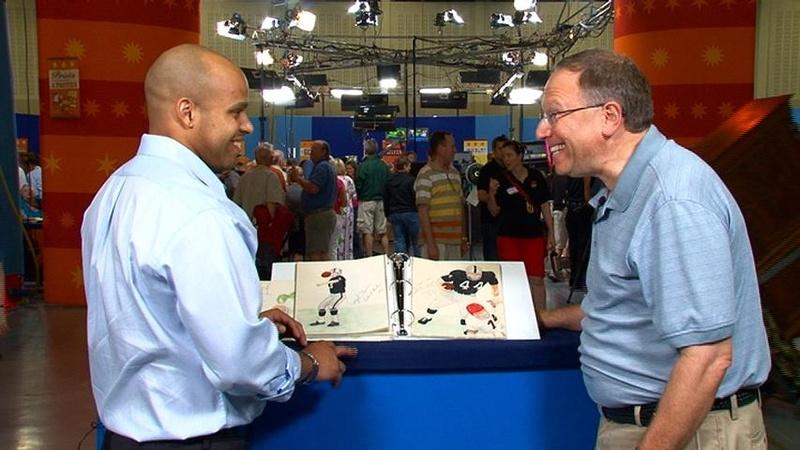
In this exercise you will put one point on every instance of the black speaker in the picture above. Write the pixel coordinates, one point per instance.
(271, 80)
(352, 102)
(313, 79)
(453, 100)
(482, 76)
(375, 117)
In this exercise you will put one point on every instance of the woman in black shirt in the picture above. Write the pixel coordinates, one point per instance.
(521, 201)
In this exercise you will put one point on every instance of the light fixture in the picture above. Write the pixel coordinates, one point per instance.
(500, 92)
(500, 20)
(233, 28)
(338, 93)
(270, 23)
(524, 5)
(366, 19)
(291, 60)
(539, 59)
(304, 20)
(448, 16)
(445, 90)
(524, 96)
(282, 95)
(263, 58)
(388, 74)
(358, 5)
(522, 17)
(511, 58)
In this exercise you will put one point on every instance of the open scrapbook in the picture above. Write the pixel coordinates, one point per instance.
(397, 297)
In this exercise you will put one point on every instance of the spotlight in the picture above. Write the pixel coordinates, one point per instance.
(304, 20)
(448, 16)
(500, 92)
(511, 58)
(338, 93)
(366, 19)
(446, 90)
(522, 17)
(358, 5)
(233, 28)
(388, 75)
(500, 20)
(263, 58)
(524, 96)
(279, 96)
(524, 5)
(291, 60)
(539, 59)
(270, 23)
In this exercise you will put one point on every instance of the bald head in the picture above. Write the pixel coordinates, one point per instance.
(186, 71)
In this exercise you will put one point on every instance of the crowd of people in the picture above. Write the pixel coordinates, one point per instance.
(673, 347)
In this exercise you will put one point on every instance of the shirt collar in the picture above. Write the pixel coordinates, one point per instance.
(645, 150)
(165, 147)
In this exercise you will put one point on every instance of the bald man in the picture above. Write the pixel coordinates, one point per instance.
(177, 351)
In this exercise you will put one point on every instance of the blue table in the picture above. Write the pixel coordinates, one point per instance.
(466, 394)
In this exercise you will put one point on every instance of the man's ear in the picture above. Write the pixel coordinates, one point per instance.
(186, 110)
(613, 118)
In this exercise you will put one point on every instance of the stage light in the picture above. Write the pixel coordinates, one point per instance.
(233, 28)
(358, 5)
(263, 58)
(304, 20)
(500, 20)
(524, 96)
(338, 93)
(283, 95)
(448, 16)
(366, 19)
(500, 92)
(291, 60)
(270, 23)
(446, 90)
(539, 59)
(524, 5)
(523, 17)
(388, 74)
(511, 58)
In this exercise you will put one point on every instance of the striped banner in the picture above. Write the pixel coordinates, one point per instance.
(698, 55)
(115, 43)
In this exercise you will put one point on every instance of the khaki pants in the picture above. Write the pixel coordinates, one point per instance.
(740, 429)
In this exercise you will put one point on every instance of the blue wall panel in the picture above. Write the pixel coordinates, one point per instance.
(339, 133)
(489, 127)
(461, 127)
(28, 127)
(289, 131)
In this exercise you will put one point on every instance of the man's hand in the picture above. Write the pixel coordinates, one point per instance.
(464, 247)
(493, 185)
(286, 325)
(432, 251)
(329, 356)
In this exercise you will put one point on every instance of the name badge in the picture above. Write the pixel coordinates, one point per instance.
(512, 190)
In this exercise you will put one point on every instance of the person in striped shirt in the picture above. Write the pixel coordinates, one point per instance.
(440, 202)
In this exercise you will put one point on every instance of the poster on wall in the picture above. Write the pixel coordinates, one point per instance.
(479, 149)
(64, 83)
(305, 149)
(391, 150)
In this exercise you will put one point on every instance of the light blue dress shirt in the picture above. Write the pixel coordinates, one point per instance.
(176, 348)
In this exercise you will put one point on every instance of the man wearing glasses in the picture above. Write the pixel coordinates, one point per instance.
(673, 346)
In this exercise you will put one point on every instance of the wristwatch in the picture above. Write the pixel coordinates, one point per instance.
(312, 374)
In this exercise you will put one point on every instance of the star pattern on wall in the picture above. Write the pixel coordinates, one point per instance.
(189, 5)
(77, 277)
(712, 55)
(91, 108)
(51, 163)
(673, 5)
(698, 110)
(66, 220)
(659, 58)
(630, 8)
(649, 6)
(106, 165)
(727, 3)
(74, 48)
(725, 110)
(119, 109)
(671, 110)
(169, 3)
(699, 4)
(132, 53)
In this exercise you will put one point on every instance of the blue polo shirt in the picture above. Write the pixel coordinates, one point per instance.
(670, 266)
(323, 175)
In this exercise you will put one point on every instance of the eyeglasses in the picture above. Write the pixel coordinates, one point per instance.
(552, 117)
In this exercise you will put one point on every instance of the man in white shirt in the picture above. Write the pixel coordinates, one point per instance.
(178, 354)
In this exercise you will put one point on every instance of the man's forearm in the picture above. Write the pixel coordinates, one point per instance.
(568, 317)
(688, 396)
(425, 223)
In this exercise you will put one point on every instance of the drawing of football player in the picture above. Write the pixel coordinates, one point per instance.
(336, 286)
(480, 318)
(464, 284)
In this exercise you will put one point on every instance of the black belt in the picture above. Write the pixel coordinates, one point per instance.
(117, 441)
(627, 414)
